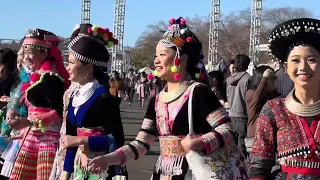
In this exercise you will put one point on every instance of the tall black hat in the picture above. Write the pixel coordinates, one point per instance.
(88, 43)
(295, 32)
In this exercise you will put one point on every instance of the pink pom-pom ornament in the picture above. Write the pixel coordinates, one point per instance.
(90, 30)
(172, 20)
(177, 62)
(189, 39)
(100, 30)
(176, 77)
(183, 22)
(34, 77)
(110, 34)
(25, 87)
(150, 76)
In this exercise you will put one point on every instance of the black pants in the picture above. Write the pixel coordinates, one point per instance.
(240, 125)
(130, 93)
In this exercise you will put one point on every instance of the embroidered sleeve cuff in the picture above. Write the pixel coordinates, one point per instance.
(211, 141)
(98, 143)
(225, 132)
(126, 154)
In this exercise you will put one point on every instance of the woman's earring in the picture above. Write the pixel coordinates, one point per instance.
(175, 69)
(86, 76)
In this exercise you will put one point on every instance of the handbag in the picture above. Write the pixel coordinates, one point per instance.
(213, 166)
(196, 160)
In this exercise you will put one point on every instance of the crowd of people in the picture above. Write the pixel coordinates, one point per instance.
(128, 85)
(61, 123)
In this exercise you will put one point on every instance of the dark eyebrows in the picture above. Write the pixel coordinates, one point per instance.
(298, 56)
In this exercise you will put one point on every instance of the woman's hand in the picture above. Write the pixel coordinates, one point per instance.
(267, 73)
(5, 99)
(11, 114)
(101, 163)
(70, 141)
(65, 175)
(18, 137)
(19, 123)
(192, 142)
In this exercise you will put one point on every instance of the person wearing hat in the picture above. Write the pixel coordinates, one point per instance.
(179, 61)
(93, 121)
(289, 127)
(42, 93)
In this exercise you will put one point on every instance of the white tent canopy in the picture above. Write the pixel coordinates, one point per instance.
(147, 70)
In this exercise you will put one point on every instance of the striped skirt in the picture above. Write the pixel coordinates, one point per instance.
(36, 156)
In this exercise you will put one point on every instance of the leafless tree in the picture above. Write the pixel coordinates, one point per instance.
(234, 33)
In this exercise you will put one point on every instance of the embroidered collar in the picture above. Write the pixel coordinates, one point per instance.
(168, 97)
(84, 93)
(301, 109)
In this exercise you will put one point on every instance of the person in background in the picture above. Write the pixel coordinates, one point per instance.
(231, 67)
(261, 88)
(14, 108)
(155, 86)
(8, 71)
(116, 84)
(237, 85)
(218, 86)
(284, 84)
(142, 88)
(130, 82)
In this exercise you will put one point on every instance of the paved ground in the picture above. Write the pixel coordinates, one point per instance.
(132, 117)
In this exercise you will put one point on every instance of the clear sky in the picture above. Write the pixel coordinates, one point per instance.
(60, 16)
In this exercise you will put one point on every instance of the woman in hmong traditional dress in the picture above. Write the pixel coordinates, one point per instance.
(289, 127)
(61, 153)
(14, 108)
(93, 121)
(43, 96)
(178, 60)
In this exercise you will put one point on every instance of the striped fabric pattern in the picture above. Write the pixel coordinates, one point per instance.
(83, 58)
(36, 157)
(141, 144)
(220, 129)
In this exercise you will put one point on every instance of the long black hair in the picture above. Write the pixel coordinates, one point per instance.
(8, 58)
(219, 78)
(257, 76)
